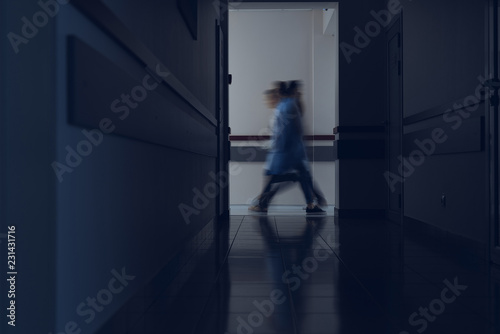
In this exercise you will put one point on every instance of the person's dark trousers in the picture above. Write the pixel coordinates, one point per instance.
(275, 183)
(304, 177)
(305, 180)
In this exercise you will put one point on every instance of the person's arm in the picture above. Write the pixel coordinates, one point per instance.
(300, 105)
(280, 126)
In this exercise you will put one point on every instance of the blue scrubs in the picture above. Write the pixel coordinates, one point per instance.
(287, 148)
(287, 151)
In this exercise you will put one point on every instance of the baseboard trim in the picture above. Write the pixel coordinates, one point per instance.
(360, 213)
(454, 243)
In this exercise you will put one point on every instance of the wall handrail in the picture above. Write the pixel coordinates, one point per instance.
(266, 137)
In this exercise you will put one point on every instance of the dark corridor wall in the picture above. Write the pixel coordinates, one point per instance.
(445, 64)
(110, 209)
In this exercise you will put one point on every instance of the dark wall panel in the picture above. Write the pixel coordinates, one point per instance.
(159, 25)
(362, 74)
(444, 51)
(460, 178)
(444, 59)
(154, 114)
(446, 139)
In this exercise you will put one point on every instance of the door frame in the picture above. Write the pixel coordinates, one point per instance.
(223, 145)
(492, 133)
(397, 22)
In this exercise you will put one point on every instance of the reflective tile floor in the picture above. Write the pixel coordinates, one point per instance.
(313, 275)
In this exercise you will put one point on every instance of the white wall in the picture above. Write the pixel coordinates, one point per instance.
(265, 46)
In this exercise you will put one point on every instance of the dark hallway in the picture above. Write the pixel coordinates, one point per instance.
(124, 184)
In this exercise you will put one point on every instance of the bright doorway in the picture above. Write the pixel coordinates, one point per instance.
(281, 41)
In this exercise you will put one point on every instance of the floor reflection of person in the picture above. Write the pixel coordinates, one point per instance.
(286, 255)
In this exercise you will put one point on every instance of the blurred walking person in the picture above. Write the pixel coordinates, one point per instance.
(287, 151)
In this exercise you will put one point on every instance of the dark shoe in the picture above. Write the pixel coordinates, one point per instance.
(315, 209)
